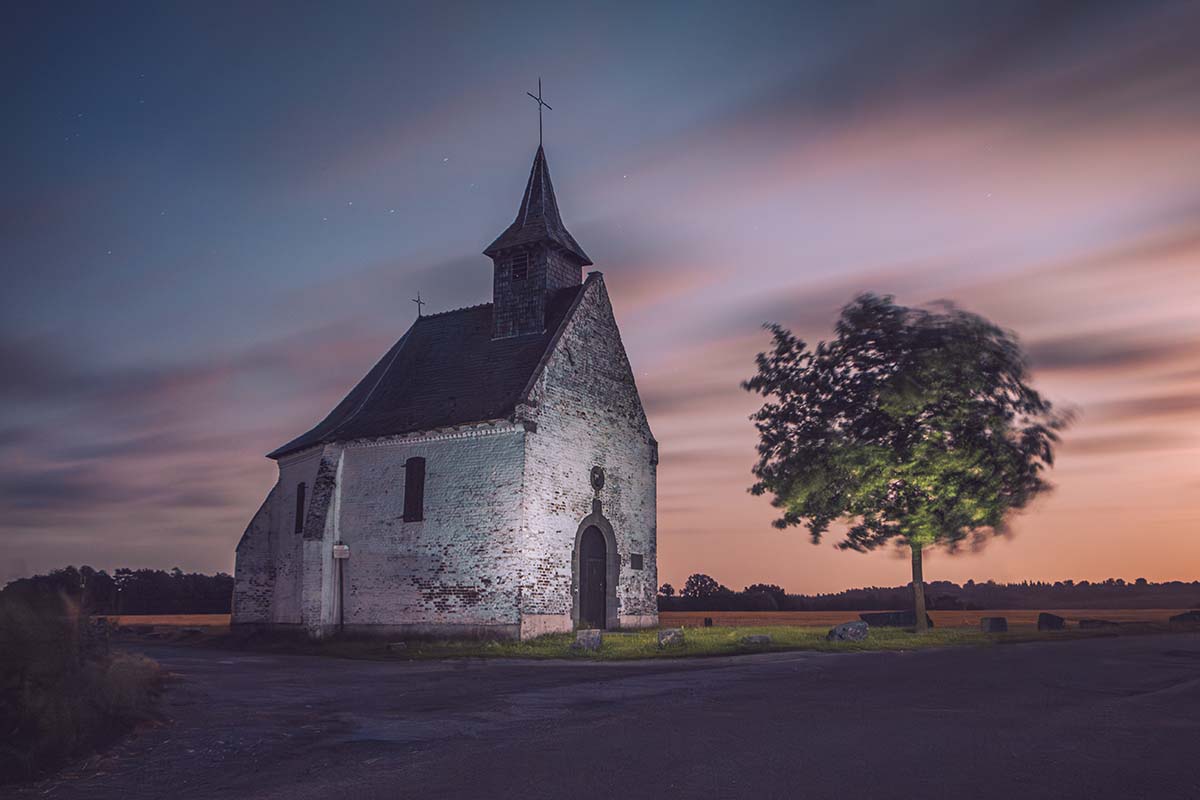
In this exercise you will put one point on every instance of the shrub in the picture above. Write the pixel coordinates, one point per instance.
(62, 693)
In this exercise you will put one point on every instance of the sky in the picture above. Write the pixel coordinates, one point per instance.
(213, 218)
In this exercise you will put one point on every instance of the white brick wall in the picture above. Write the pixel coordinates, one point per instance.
(588, 413)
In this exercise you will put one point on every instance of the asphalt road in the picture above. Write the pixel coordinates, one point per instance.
(1099, 718)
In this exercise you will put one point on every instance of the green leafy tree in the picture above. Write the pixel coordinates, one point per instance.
(701, 586)
(915, 426)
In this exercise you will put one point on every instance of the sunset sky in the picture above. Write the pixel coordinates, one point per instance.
(213, 220)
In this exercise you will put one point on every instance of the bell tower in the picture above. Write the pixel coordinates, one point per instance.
(534, 256)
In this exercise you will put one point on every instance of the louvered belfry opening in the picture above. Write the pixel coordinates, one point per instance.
(533, 257)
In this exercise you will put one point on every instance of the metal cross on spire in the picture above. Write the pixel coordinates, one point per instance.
(541, 104)
(419, 303)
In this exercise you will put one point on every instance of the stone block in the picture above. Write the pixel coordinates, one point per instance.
(757, 640)
(848, 632)
(1051, 622)
(993, 624)
(589, 639)
(670, 637)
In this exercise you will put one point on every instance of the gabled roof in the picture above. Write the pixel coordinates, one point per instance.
(446, 370)
(538, 220)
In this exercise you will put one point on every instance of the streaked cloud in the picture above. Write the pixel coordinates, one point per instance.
(195, 278)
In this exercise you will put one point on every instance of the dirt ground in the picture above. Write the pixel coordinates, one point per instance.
(1113, 717)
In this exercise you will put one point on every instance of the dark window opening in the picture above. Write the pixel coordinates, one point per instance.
(635, 560)
(414, 490)
(301, 490)
(519, 266)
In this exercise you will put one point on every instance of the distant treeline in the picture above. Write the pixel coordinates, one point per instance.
(703, 593)
(156, 591)
(128, 591)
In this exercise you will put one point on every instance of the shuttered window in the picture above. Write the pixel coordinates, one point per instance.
(414, 490)
(301, 490)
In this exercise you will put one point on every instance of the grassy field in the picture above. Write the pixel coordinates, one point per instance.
(1018, 618)
(788, 631)
(722, 641)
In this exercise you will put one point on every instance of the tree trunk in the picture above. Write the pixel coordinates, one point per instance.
(918, 584)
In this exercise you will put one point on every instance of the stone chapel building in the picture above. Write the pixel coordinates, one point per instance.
(494, 474)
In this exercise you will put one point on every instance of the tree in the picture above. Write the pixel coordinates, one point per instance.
(770, 590)
(701, 586)
(666, 590)
(915, 426)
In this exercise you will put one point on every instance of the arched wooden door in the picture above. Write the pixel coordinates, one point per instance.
(593, 579)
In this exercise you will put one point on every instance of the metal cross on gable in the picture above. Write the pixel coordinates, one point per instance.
(541, 104)
(419, 303)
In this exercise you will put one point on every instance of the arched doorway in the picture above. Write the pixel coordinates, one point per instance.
(593, 579)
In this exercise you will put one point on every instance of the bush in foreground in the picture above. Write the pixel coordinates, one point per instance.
(62, 693)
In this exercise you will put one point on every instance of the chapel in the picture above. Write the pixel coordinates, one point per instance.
(493, 474)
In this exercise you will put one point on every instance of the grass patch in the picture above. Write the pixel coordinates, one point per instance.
(697, 642)
(719, 640)
(62, 692)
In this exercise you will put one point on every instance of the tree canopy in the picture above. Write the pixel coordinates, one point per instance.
(912, 425)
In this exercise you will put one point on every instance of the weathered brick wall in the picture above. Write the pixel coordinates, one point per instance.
(269, 571)
(254, 568)
(458, 566)
(587, 411)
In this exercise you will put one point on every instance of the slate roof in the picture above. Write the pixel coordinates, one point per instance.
(446, 370)
(538, 219)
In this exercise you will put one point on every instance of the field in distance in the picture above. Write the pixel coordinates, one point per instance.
(807, 619)
(941, 619)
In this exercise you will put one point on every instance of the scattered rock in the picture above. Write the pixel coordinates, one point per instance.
(397, 647)
(1091, 624)
(993, 624)
(757, 640)
(588, 639)
(190, 631)
(848, 632)
(1187, 616)
(1051, 622)
(893, 619)
(670, 637)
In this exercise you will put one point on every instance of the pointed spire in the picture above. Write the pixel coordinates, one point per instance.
(538, 219)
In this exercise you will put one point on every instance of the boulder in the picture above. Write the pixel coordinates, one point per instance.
(670, 637)
(893, 619)
(588, 639)
(1092, 624)
(1051, 622)
(993, 624)
(757, 640)
(848, 632)
(397, 647)
(1187, 616)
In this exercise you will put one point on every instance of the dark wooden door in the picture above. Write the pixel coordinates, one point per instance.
(593, 579)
